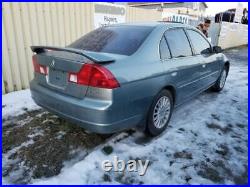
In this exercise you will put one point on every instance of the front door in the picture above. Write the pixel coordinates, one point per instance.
(208, 60)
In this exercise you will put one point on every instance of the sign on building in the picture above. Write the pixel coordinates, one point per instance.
(172, 17)
(106, 14)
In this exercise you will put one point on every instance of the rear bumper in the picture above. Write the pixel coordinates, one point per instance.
(99, 116)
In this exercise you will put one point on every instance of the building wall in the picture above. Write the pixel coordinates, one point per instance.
(138, 14)
(194, 9)
(232, 35)
(56, 24)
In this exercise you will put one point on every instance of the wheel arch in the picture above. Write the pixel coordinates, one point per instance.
(227, 65)
(172, 90)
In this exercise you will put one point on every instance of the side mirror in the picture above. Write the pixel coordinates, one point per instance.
(217, 49)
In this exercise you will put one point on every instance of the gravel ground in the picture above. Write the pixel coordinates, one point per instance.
(39, 147)
(37, 144)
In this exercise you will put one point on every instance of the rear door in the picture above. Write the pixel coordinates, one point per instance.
(203, 51)
(183, 68)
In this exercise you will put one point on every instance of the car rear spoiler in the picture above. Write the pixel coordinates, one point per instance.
(93, 56)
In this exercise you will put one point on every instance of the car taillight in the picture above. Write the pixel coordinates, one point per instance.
(38, 67)
(94, 75)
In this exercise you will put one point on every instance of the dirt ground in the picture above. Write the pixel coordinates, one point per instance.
(43, 142)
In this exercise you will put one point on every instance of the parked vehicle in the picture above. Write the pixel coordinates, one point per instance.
(121, 76)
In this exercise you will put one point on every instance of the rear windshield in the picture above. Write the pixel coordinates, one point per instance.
(124, 40)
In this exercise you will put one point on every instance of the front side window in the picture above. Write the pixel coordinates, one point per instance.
(164, 51)
(200, 45)
(124, 40)
(178, 43)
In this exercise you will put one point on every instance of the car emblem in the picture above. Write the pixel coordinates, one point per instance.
(52, 64)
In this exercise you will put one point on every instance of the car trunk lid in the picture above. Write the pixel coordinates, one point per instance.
(58, 63)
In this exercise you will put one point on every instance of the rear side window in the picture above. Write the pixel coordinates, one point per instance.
(124, 40)
(200, 45)
(164, 51)
(178, 43)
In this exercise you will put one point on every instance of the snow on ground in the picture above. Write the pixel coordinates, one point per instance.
(205, 143)
(17, 103)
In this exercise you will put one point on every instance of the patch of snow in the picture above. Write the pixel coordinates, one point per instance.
(81, 154)
(36, 133)
(17, 103)
(60, 134)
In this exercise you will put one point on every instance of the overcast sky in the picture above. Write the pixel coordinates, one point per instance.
(215, 7)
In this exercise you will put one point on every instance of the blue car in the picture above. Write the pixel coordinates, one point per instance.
(127, 75)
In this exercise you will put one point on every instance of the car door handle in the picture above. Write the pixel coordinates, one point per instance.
(203, 65)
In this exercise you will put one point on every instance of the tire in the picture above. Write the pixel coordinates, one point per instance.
(220, 83)
(158, 122)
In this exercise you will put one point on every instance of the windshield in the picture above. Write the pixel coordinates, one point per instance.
(124, 40)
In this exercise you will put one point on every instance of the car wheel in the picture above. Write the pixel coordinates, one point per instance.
(220, 83)
(160, 113)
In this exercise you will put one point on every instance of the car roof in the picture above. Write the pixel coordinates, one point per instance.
(155, 24)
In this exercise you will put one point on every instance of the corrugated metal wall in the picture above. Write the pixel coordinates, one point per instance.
(57, 24)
